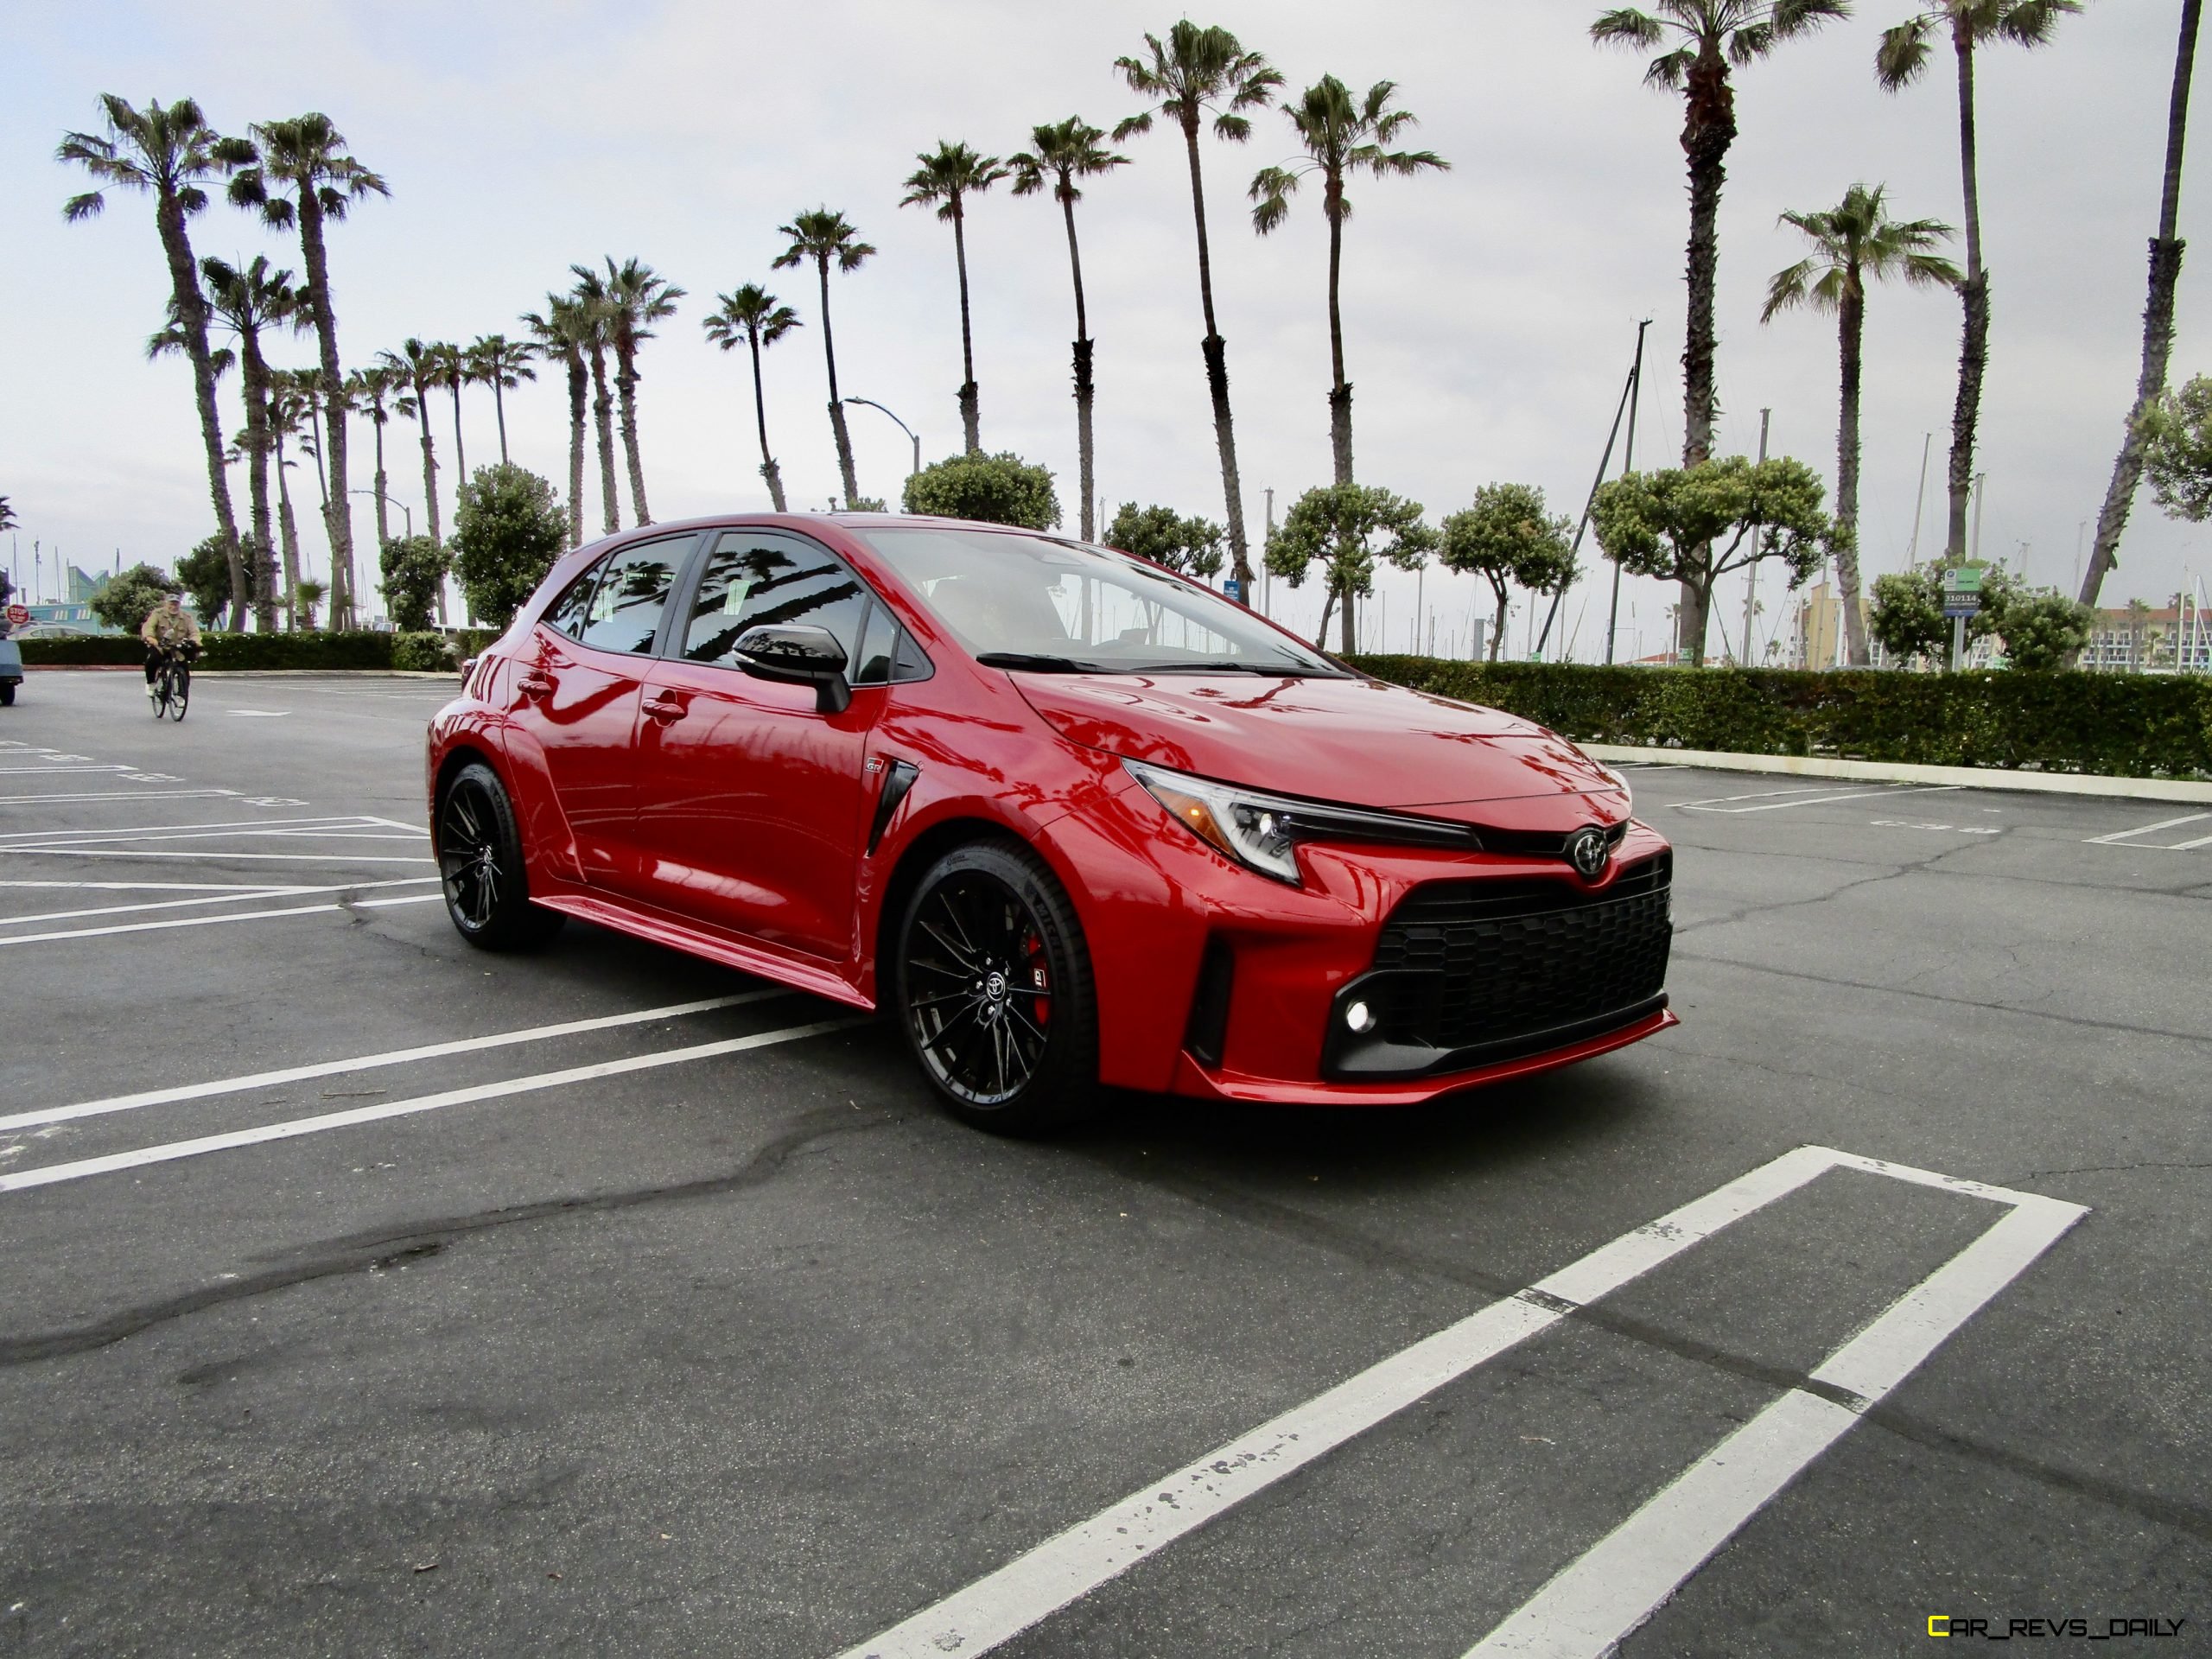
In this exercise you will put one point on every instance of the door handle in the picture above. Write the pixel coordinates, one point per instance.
(666, 710)
(535, 685)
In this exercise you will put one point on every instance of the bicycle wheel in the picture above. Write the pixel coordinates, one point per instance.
(161, 697)
(179, 690)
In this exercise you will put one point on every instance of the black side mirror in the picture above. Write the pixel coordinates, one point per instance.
(797, 653)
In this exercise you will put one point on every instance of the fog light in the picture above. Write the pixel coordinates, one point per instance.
(1360, 1017)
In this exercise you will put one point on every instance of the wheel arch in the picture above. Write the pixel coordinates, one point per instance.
(461, 753)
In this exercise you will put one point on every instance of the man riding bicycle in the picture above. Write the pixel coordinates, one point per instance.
(168, 631)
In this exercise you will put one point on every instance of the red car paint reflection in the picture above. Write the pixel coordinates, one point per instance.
(1071, 820)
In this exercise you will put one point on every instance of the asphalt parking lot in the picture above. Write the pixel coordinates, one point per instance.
(365, 1294)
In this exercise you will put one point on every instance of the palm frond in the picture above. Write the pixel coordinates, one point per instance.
(1903, 53)
(1626, 25)
(1271, 189)
(2030, 23)
(1671, 71)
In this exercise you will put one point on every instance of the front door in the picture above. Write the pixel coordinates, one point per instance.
(750, 807)
(575, 693)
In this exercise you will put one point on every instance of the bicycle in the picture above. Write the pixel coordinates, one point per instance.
(173, 685)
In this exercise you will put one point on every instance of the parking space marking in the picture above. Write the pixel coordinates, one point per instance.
(1000, 1605)
(55, 1174)
(224, 896)
(186, 831)
(1806, 797)
(2120, 837)
(48, 772)
(124, 795)
(373, 1062)
(214, 921)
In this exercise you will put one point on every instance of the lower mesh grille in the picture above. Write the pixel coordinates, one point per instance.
(1503, 959)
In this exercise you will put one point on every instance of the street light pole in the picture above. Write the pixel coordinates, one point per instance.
(870, 403)
(392, 501)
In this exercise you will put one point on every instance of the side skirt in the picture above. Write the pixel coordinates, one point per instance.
(659, 929)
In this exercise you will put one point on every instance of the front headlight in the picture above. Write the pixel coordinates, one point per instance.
(1619, 782)
(1262, 832)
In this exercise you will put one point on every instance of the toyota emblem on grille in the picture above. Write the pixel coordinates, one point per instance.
(1587, 851)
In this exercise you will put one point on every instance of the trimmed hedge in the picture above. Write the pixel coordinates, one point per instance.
(2115, 725)
(218, 651)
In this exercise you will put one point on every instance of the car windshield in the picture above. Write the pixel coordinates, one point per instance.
(1030, 603)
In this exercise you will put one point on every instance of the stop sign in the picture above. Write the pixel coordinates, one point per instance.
(18, 616)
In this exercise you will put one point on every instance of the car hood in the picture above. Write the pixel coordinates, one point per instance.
(1362, 742)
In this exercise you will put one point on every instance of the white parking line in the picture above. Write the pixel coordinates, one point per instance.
(219, 855)
(122, 795)
(1001, 1604)
(1804, 798)
(194, 831)
(54, 1174)
(226, 896)
(48, 772)
(373, 1062)
(216, 921)
(2119, 835)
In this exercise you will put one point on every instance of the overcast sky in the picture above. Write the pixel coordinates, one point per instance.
(1489, 311)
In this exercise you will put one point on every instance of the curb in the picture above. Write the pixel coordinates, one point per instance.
(251, 673)
(1880, 772)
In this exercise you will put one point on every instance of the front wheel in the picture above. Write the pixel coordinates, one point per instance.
(480, 862)
(180, 692)
(995, 993)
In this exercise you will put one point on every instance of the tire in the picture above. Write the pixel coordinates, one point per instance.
(994, 991)
(179, 693)
(6, 693)
(481, 865)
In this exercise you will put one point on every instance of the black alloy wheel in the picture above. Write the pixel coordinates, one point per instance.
(995, 993)
(480, 861)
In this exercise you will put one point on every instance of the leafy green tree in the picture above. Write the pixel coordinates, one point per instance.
(1706, 41)
(1065, 152)
(205, 575)
(305, 177)
(821, 235)
(636, 296)
(1854, 242)
(508, 532)
(593, 310)
(125, 600)
(562, 332)
(753, 317)
(1001, 489)
(1341, 135)
(1695, 525)
(1509, 538)
(1903, 57)
(171, 153)
(414, 568)
(948, 175)
(503, 364)
(1195, 71)
(1192, 547)
(1343, 529)
(1908, 618)
(2158, 321)
(2177, 449)
(2043, 629)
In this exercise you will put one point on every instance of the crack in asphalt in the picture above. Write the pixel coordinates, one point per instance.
(1286, 1220)
(2103, 1169)
(384, 1249)
(1913, 867)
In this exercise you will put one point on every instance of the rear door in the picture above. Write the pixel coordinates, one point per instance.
(574, 689)
(750, 802)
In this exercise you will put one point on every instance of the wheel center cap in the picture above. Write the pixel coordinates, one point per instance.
(994, 987)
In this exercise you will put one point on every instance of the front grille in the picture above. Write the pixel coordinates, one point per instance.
(1498, 960)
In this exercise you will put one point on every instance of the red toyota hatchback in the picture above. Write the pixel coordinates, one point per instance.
(1075, 820)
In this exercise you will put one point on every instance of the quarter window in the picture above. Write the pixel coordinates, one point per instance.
(755, 577)
(626, 605)
(569, 612)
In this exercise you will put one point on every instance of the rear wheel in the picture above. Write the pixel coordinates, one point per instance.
(995, 993)
(480, 861)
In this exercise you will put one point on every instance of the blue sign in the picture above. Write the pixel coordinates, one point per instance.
(1234, 589)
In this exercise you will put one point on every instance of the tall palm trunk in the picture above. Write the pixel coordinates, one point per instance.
(1850, 329)
(2157, 321)
(768, 468)
(383, 488)
(626, 386)
(191, 316)
(577, 380)
(837, 406)
(1216, 356)
(970, 399)
(429, 458)
(1973, 293)
(1083, 389)
(338, 511)
(499, 411)
(254, 371)
(1339, 388)
(602, 412)
(460, 453)
(1708, 130)
(290, 530)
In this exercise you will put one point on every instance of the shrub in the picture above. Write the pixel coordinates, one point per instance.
(1002, 489)
(2043, 630)
(1192, 547)
(421, 652)
(205, 575)
(508, 531)
(414, 568)
(123, 600)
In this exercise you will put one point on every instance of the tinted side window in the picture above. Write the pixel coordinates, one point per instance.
(879, 642)
(627, 606)
(753, 578)
(568, 613)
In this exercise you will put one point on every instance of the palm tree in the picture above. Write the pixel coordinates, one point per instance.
(592, 303)
(311, 593)
(453, 374)
(247, 301)
(1197, 71)
(1066, 151)
(503, 364)
(1855, 243)
(1340, 135)
(822, 235)
(947, 177)
(371, 388)
(1903, 57)
(288, 406)
(2157, 321)
(168, 152)
(563, 331)
(305, 155)
(418, 364)
(752, 316)
(636, 294)
(1706, 40)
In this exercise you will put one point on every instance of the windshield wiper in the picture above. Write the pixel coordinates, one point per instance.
(1279, 670)
(1029, 663)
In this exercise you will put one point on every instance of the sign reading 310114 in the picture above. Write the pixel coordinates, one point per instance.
(1963, 590)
